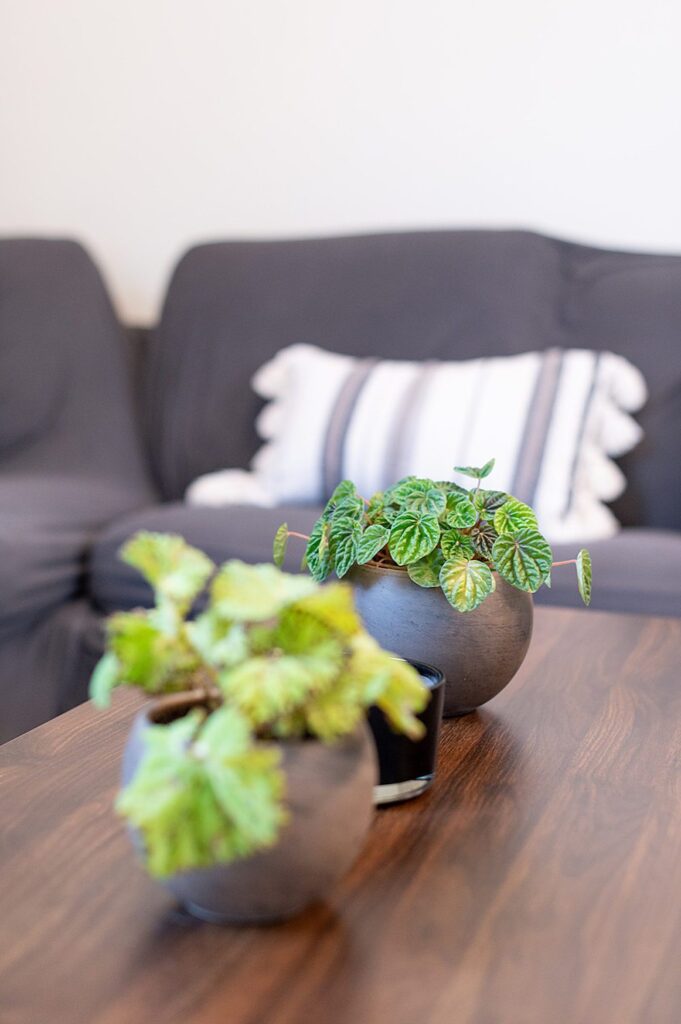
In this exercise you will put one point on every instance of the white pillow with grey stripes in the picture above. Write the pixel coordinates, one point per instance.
(553, 421)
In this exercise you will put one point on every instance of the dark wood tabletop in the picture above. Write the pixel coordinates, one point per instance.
(539, 882)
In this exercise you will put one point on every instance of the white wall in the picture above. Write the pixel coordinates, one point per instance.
(144, 125)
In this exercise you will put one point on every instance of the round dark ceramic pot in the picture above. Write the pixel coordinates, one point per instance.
(329, 796)
(479, 651)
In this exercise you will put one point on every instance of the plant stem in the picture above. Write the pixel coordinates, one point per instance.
(569, 561)
(302, 536)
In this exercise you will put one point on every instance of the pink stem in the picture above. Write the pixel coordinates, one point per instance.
(570, 561)
(302, 536)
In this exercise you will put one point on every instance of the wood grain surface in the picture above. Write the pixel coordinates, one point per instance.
(539, 882)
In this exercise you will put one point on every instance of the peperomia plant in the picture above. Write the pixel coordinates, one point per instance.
(443, 534)
(269, 656)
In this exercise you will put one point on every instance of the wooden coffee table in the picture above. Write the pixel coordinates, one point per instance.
(539, 882)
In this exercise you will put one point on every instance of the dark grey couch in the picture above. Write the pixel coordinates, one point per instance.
(99, 437)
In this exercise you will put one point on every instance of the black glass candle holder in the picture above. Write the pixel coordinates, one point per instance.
(407, 767)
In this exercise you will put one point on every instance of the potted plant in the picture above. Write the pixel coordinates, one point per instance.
(248, 781)
(424, 551)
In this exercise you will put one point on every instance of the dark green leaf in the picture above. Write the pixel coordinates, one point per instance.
(523, 559)
(317, 553)
(466, 583)
(423, 496)
(412, 536)
(349, 507)
(488, 502)
(375, 507)
(461, 512)
(474, 471)
(371, 542)
(426, 572)
(394, 495)
(345, 489)
(584, 575)
(483, 536)
(280, 545)
(344, 539)
(513, 516)
(449, 487)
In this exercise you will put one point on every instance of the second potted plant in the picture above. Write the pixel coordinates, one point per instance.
(441, 574)
(248, 781)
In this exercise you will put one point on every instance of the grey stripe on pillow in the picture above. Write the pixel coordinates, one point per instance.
(582, 428)
(537, 423)
(399, 446)
(333, 457)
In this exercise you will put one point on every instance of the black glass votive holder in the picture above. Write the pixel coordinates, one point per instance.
(406, 766)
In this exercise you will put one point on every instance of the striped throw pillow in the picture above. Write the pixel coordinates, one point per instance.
(553, 420)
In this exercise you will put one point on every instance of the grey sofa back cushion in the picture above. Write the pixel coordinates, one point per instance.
(66, 405)
(449, 294)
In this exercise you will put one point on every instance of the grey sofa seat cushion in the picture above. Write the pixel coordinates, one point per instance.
(638, 571)
(422, 295)
(236, 532)
(46, 671)
(47, 523)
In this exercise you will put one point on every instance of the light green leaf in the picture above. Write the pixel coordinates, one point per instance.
(514, 516)
(474, 471)
(413, 535)
(373, 539)
(461, 512)
(344, 539)
(389, 682)
(280, 545)
(334, 606)
(466, 583)
(523, 559)
(176, 571)
(204, 793)
(148, 657)
(218, 641)
(426, 572)
(455, 544)
(270, 687)
(253, 593)
(584, 575)
(105, 678)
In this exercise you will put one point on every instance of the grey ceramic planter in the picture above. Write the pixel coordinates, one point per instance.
(479, 651)
(330, 801)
